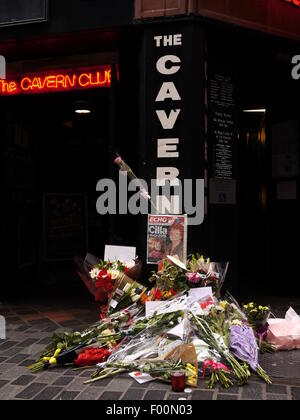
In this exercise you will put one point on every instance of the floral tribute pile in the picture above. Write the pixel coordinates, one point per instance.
(180, 325)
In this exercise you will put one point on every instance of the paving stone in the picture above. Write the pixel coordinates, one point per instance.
(202, 395)
(27, 362)
(11, 352)
(27, 343)
(78, 384)
(226, 397)
(276, 389)
(110, 396)
(119, 384)
(13, 319)
(91, 394)
(48, 393)
(103, 383)
(31, 391)
(49, 377)
(23, 380)
(159, 385)
(3, 383)
(176, 395)
(7, 345)
(18, 358)
(71, 372)
(2, 359)
(63, 381)
(277, 397)
(252, 391)
(23, 328)
(134, 394)
(296, 393)
(87, 373)
(145, 386)
(8, 392)
(155, 395)
(14, 372)
(71, 324)
(50, 329)
(68, 395)
(45, 341)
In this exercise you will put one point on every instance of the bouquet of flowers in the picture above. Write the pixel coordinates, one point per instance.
(170, 278)
(204, 273)
(66, 347)
(182, 358)
(244, 346)
(258, 316)
(126, 291)
(101, 276)
(155, 294)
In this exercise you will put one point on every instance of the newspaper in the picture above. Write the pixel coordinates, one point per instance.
(167, 235)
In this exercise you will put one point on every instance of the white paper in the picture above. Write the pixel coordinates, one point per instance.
(292, 315)
(152, 307)
(141, 378)
(199, 294)
(121, 253)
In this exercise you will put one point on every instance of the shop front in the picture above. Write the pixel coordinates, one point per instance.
(59, 123)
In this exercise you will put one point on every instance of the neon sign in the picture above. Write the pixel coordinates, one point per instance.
(57, 82)
(293, 2)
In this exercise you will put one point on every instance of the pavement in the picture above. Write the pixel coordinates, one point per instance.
(30, 327)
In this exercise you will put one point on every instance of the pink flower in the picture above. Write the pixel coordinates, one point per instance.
(193, 277)
(118, 160)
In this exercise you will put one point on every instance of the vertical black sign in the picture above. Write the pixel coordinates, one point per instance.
(174, 102)
(173, 111)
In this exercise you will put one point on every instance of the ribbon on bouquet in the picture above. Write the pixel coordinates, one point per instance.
(213, 366)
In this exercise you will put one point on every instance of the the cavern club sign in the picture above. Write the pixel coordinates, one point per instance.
(57, 81)
(292, 2)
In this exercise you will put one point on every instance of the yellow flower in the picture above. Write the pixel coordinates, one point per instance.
(223, 304)
(237, 322)
(58, 351)
(52, 361)
(251, 305)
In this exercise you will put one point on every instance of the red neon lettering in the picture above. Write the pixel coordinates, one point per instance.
(12, 87)
(69, 82)
(60, 82)
(36, 83)
(81, 83)
(51, 82)
(293, 2)
(24, 85)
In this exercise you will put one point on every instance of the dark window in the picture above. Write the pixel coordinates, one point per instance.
(14, 12)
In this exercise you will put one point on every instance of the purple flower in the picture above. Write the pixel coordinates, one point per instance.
(244, 346)
(193, 277)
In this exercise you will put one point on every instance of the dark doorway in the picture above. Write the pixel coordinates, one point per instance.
(52, 159)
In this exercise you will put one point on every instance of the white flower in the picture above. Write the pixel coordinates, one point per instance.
(94, 273)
